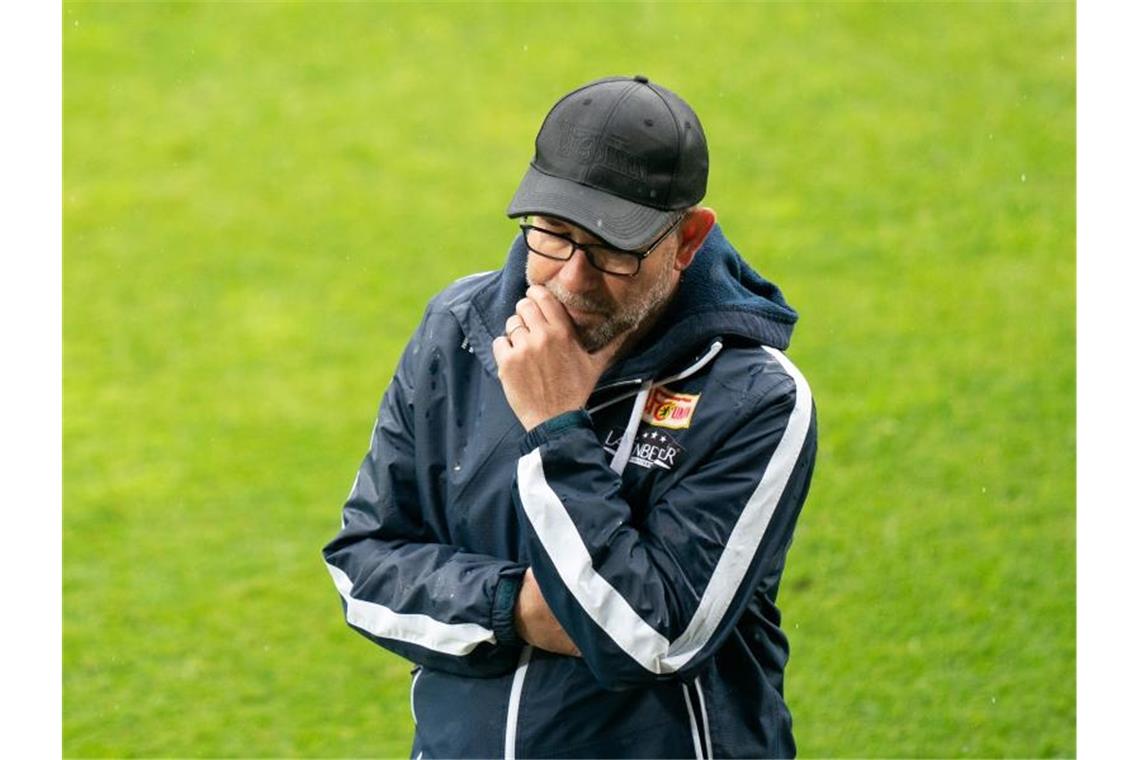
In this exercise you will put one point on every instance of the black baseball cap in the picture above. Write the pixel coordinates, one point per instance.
(618, 157)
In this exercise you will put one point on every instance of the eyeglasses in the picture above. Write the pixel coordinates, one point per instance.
(615, 261)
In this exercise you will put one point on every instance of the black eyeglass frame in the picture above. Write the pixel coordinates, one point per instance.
(587, 248)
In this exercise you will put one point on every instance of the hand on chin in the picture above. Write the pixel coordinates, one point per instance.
(544, 366)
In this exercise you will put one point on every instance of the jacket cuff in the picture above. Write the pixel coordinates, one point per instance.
(503, 610)
(540, 434)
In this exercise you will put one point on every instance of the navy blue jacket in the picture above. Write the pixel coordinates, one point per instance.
(656, 521)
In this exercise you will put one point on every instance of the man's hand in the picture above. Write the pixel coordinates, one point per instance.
(543, 368)
(536, 624)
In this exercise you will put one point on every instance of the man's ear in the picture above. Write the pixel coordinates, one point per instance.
(694, 230)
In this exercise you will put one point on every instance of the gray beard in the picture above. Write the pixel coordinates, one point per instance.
(619, 318)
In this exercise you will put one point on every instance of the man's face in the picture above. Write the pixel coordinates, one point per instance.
(604, 306)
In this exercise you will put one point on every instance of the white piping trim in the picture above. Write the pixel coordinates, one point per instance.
(356, 480)
(693, 724)
(450, 638)
(412, 695)
(465, 278)
(704, 717)
(355, 483)
(513, 703)
(607, 607)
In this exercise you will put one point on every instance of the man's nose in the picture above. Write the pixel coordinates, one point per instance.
(578, 274)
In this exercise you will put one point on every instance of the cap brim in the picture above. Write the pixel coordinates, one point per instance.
(617, 221)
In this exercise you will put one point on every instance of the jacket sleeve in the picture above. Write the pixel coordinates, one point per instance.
(402, 585)
(655, 600)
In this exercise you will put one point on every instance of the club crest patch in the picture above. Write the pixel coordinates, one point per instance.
(651, 449)
(666, 408)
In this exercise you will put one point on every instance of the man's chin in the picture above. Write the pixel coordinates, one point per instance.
(592, 344)
(599, 335)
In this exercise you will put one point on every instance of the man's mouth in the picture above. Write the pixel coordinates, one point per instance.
(579, 306)
(579, 315)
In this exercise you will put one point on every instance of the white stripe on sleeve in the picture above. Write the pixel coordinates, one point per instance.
(449, 638)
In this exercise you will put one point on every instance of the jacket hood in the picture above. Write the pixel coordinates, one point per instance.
(719, 296)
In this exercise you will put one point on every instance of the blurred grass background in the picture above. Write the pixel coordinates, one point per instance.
(259, 199)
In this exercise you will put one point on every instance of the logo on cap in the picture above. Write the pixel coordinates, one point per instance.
(593, 147)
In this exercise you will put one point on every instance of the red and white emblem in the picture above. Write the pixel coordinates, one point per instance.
(666, 408)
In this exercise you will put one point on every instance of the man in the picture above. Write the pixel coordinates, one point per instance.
(584, 476)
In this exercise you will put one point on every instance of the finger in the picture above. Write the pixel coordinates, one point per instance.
(550, 306)
(500, 348)
(517, 334)
(531, 314)
(514, 322)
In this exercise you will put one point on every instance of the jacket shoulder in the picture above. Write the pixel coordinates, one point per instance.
(450, 322)
(757, 372)
(462, 291)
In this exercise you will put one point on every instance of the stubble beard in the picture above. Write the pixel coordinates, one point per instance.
(616, 319)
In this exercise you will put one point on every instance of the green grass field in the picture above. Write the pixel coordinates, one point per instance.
(259, 198)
